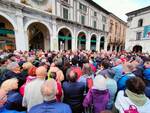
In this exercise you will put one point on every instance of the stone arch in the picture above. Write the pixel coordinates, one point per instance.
(66, 28)
(42, 35)
(65, 35)
(81, 40)
(93, 41)
(102, 42)
(8, 32)
(9, 19)
(37, 21)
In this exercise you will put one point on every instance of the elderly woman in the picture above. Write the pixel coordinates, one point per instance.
(12, 99)
(133, 96)
(98, 96)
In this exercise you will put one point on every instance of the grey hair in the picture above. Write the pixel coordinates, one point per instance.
(12, 66)
(49, 90)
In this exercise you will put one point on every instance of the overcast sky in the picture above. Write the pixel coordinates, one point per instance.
(121, 7)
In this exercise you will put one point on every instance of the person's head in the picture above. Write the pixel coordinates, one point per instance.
(147, 63)
(136, 85)
(117, 62)
(99, 83)
(10, 84)
(128, 67)
(41, 72)
(87, 69)
(105, 64)
(27, 65)
(31, 59)
(57, 62)
(49, 90)
(72, 77)
(32, 71)
(137, 61)
(74, 61)
(53, 75)
(14, 67)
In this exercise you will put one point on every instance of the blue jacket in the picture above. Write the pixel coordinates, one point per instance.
(118, 72)
(51, 107)
(147, 74)
(10, 111)
(122, 81)
(14, 101)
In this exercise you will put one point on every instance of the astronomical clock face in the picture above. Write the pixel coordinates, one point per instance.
(40, 2)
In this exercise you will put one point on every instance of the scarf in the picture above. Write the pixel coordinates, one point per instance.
(137, 99)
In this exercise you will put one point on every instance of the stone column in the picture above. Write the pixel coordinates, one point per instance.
(21, 40)
(98, 44)
(54, 37)
(111, 47)
(73, 42)
(88, 42)
(105, 44)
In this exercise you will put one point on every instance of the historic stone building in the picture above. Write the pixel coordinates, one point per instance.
(138, 32)
(53, 25)
(117, 33)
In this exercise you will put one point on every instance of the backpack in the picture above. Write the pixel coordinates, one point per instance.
(132, 109)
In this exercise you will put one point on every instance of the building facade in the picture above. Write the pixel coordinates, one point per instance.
(138, 32)
(53, 25)
(117, 33)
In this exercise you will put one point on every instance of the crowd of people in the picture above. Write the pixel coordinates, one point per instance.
(80, 81)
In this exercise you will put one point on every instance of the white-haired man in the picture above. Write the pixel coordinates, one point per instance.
(48, 90)
(32, 94)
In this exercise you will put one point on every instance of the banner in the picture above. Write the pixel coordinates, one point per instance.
(147, 32)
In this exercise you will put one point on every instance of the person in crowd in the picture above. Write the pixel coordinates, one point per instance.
(128, 68)
(54, 68)
(59, 93)
(75, 67)
(133, 97)
(31, 76)
(50, 105)
(87, 73)
(118, 68)
(111, 86)
(25, 67)
(147, 69)
(14, 72)
(138, 66)
(32, 95)
(146, 77)
(98, 96)
(73, 93)
(104, 67)
(11, 98)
